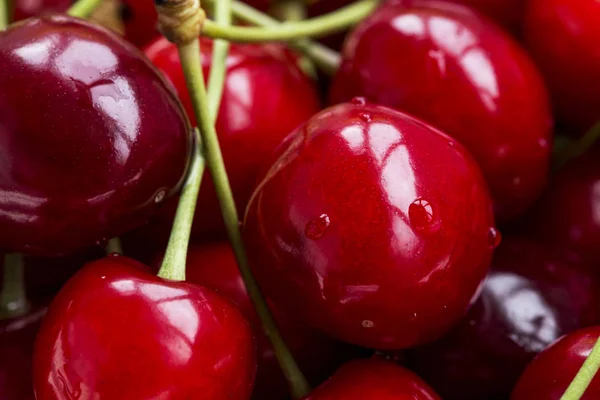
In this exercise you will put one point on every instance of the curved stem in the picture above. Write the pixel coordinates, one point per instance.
(576, 148)
(83, 8)
(4, 14)
(189, 54)
(584, 376)
(13, 300)
(216, 78)
(315, 27)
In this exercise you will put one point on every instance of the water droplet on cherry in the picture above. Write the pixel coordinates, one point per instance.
(160, 195)
(422, 217)
(114, 254)
(451, 143)
(494, 237)
(365, 117)
(368, 323)
(315, 229)
(359, 101)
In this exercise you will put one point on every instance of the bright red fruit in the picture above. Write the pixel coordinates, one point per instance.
(530, 298)
(549, 375)
(115, 331)
(445, 64)
(564, 38)
(373, 379)
(93, 138)
(372, 226)
(30, 8)
(266, 96)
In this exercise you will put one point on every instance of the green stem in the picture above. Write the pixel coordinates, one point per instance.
(584, 376)
(216, 78)
(4, 14)
(189, 54)
(315, 27)
(83, 8)
(295, 10)
(114, 246)
(577, 147)
(13, 300)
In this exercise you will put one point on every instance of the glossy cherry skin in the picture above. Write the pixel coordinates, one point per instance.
(30, 8)
(116, 331)
(564, 38)
(530, 298)
(139, 21)
(17, 337)
(508, 13)
(266, 96)
(371, 226)
(373, 379)
(94, 139)
(551, 372)
(445, 64)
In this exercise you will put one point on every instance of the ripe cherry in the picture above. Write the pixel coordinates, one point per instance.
(139, 21)
(563, 37)
(266, 96)
(444, 64)
(373, 379)
(530, 298)
(115, 331)
(94, 140)
(508, 13)
(371, 226)
(551, 372)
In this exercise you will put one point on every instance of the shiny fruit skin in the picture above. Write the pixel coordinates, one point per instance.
(563, 36)
(266, 96)
(139, 21)
(115, 331)
(371, 226)
(551, 372)
(94, 140)
(530, 298)
(507, 13)
(373, 379)
(450, 67)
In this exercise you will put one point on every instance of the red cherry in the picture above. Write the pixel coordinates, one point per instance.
(530, 298)
(373, 379)
(563, 37)
(372, 226)
(93, 138)
(116, 331)
(508, 13)
(445, 64)
(549, 375)
(266, 96)
(139, 21)
(30, 8)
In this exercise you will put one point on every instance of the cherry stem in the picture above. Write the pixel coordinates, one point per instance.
(576, 148)
(13, 300)
(4, 14)
(114, 246)
(584, 376)
(83, 8)
(216, 78)
(315, 27)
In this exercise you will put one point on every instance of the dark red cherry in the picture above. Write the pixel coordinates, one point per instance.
(17, 337)
(30, 8)
(373, 379)
(508, 13)
(115, 331)
(530, 298)
(551, 372)
(139, 21)
(371, 226)
(564, 38)
(448, 66)
(93, 138)
(266, 96)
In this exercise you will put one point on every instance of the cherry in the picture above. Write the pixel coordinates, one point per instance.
(371, 226)
(30, 8)
(563, 37)
(94, 140)
(445, 64)
(373, 379)
(139, 21)
(508, 13)
(551, 372)
(530, 298)
(115, 331)
(266, 96)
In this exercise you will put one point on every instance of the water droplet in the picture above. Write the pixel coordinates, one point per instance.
(114, 254)
(359, 101)
(316, 228)
(422, 217)
(451, 143)
(516, 180)
(365, 117)
(543, 143)
(494, 237)
(160, 196)
(368, 323)
(101, 242)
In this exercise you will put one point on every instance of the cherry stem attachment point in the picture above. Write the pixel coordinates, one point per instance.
(83, 8)
(13, 299)
(584, 376)
(4, 14)
(574, 149)
(114, 246)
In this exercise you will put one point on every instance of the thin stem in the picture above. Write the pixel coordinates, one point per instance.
(83, 8)
(216, 78)
(13, 300)
(584, 376)
(114, 246)
(315, 27)
(4, 14)
(189, 54)
(577, 147)
(295, 10)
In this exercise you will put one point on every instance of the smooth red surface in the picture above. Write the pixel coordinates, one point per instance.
(139, 21)
(549, 375)
(564, 38)
(373, 379)
(17, 337)
(30, 8)
(372, 226)
(266, 96)
(93, 140)
(508, 13)
(530, 298)
(448, 66)
(116, 331)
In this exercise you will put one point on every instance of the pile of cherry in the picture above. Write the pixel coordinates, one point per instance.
(408, 229)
